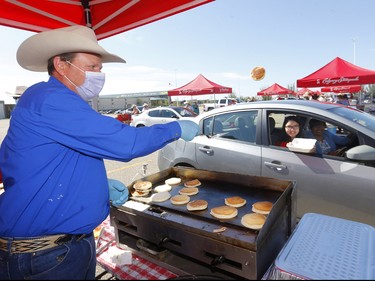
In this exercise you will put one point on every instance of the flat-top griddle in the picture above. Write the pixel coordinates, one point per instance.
(215, 193)
(241, 251)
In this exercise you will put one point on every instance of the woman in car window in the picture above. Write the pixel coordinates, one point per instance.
(291, 129)
(326, 141)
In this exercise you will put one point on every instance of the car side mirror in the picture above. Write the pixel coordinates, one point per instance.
(361, 153)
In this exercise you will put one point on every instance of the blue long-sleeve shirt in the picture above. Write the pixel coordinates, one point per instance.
(52, 161)
(332, 140)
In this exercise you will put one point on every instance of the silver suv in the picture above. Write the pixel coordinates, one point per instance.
(239, 138)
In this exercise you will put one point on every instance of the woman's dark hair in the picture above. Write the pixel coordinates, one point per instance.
(284, 135)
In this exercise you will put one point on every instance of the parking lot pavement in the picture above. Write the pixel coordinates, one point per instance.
(4, 125)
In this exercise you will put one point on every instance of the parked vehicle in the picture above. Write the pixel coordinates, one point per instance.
(161, 115)
(219, 103)
(238, 138)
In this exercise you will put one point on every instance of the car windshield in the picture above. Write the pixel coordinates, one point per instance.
(184, 112)
(364, 119)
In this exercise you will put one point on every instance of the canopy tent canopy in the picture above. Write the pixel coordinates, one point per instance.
(342, 89)
(106, 18)
(200, 86)
(275, 89)
(338, 72)
(305, 92)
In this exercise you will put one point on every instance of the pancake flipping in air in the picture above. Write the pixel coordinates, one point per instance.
(258, 73)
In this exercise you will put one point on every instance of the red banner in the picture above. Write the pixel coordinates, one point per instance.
(342, 89)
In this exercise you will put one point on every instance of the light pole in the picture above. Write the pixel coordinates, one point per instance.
(354, 41)
(175, 82)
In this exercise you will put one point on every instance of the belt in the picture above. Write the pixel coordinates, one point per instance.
(30, 245)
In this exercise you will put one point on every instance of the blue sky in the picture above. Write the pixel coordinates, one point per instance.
(224, 40)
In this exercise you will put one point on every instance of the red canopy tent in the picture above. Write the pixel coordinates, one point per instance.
(106, 18)
(338, 73)
(304, 91)
(200, 86)
(275, 89)
(342, 89)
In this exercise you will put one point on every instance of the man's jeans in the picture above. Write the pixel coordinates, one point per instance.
(74, 260)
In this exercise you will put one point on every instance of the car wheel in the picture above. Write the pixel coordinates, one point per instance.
(140, 125)
(184, 165)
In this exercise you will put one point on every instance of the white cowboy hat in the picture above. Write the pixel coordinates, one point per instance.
(33, 54)
(145, 104)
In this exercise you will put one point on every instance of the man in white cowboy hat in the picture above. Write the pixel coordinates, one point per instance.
(135, 109)
(145, 107)
(55, 182)
(188, 106)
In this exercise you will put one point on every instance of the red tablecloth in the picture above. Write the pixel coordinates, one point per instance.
(140, 269)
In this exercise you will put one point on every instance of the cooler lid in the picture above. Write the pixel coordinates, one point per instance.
(324, 247)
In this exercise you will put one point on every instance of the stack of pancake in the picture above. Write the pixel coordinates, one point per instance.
(141, 188)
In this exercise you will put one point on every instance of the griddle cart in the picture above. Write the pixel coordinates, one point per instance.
(195, 243)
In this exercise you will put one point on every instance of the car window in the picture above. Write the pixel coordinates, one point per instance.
(364, 119)
(210, 128)
(275, 125)
(338, 131)
(239, 126)
(154, 113)
(184, 112)
(168, 113)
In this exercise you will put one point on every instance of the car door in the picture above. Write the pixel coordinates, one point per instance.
(220, 148)
(328, 185)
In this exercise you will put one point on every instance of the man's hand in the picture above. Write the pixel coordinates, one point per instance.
(189, 129)
(118, 192)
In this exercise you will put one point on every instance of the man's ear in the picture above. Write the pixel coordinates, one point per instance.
(59, 65)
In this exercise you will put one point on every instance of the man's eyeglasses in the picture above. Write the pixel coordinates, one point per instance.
(292, 127)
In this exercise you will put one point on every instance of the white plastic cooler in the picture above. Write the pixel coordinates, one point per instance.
(324, 247)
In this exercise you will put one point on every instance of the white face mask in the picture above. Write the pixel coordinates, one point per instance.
(92, 85)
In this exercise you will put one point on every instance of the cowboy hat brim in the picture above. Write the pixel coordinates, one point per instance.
(33, 54)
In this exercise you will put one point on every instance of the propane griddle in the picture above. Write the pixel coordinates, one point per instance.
(215, 193)
(237, 250)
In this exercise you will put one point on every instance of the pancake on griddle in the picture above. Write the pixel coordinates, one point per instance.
(262, 207)
(173, 181)
(253, 220)
(235, 201)
(189, 191)
(180, 199)
(224, 212)
(197, 205)
(192, 183)
(163, 188)
(142, 185)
